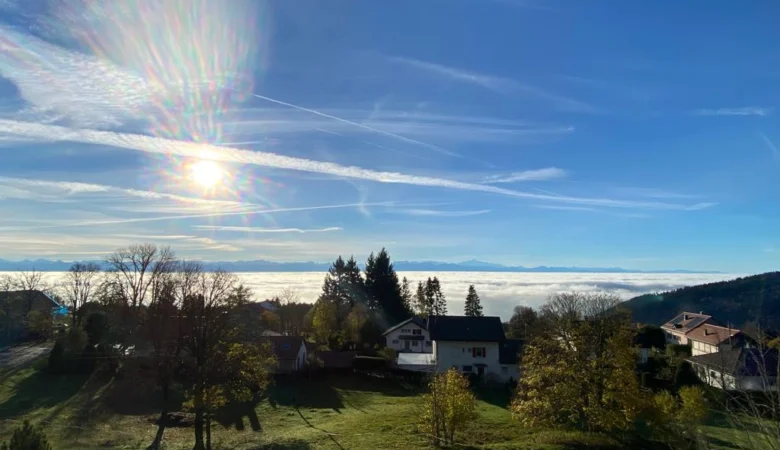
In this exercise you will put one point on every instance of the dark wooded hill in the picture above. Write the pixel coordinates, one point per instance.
(743, 302)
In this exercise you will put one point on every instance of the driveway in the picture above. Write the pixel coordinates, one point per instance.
(19, 355)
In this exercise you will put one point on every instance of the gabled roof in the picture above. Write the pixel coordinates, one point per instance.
(685, 322)
(712, 334)
(414, 319)
(750, 362)
(285, 347)
(24, 293)
(465, 328)
(509, 351)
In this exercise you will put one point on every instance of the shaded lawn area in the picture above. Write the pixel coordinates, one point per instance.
(338, 412)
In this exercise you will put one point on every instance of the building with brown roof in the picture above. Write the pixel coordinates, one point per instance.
(677, 329)
(710, 338)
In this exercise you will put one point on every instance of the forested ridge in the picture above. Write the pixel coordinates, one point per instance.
(742, 302)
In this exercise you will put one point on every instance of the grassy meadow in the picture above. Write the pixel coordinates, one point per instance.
(336, 412)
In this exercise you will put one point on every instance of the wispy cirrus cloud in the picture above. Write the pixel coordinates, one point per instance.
(500, 85)
(154, 145)
(443, 213)
(548, 173)
(742, 111)
(772, 147)
(267, 230)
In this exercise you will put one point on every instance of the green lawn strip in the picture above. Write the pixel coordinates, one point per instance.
(332, 413)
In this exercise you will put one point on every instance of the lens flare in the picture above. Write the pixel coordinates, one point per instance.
(206, 174)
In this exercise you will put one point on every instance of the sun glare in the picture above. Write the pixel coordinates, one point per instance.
(207, 174)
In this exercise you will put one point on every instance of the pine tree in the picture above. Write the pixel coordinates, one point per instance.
(406, 295)
(421, 306)
(439, 302)
(473, 306)
(383, 292)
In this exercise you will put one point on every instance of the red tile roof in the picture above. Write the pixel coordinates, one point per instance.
(711, 334)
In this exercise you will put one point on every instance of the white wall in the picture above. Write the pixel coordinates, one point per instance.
(458, 354)
(300, 360)
(673, 337)
(701, 348)
(394, 341)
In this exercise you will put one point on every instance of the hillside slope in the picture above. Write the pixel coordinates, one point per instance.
(748, 300)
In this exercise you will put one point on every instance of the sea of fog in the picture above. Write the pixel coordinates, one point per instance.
(500, 292)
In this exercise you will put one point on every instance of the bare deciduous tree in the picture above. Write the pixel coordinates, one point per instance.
(133, 270)
(79, 285)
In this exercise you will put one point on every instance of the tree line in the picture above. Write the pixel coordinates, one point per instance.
(355, 307)
(158, 317)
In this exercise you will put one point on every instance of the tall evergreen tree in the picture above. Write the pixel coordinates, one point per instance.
(430, 299)
(406, 294)
(421, 306)
(383, 292)
(439, 301)
(473, 306)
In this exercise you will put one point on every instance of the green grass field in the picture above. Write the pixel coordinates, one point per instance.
(345, 412)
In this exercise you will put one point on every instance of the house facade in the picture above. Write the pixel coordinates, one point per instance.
(290, 351)
(472, 345)
(707, 338)
(19, 304)
(409, 336)
(677, 329)
(743, 369)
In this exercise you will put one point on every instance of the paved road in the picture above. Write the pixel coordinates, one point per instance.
(19, 355)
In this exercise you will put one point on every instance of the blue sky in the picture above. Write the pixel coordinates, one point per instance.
(634, 134)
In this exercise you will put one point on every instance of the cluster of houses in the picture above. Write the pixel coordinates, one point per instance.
(722, 356)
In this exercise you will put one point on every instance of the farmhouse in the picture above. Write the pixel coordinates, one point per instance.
(473, 345)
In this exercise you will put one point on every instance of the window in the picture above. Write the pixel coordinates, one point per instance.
(467, 368)
(428, 343)
(504, 369)
(713, 374)
(463, 350)
(479, 352)
(417, 332)
(285, 346)
(395, 341)
(415, 343)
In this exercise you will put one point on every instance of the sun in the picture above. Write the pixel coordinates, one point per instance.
(206, 174)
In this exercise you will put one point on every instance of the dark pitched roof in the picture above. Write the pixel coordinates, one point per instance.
(23, 294)
(509, 351)
(285, 347)
(749, 362)
(414, 319)
(686, 321)
(465, 328)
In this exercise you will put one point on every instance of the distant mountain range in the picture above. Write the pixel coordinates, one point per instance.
(47, 265)
(747, 301)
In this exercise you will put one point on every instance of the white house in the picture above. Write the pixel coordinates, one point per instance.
(708, 338)
(743, 369)
(469, 344)
(677, 329)
(290, 352)
(411, 335)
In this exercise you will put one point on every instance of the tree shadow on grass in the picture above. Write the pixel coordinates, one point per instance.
(292, 444)
(40, 390)
(138, 396)
(303, 394)
(500, 397)
(234, 414)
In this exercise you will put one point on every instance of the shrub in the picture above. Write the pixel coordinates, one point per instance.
(684, 375)
(97, 327)
(447, 408)
(678, 350)
(27, 437)
(388, 354)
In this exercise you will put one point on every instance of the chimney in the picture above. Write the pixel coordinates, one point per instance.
(685, 316)
(706, 331)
